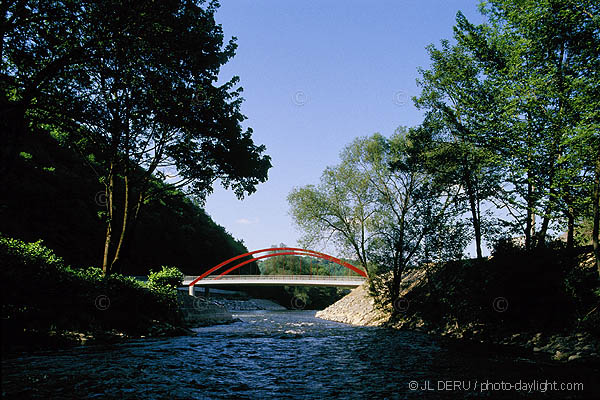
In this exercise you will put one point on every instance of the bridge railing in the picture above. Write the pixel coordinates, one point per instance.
(275, 277)
(238, 278)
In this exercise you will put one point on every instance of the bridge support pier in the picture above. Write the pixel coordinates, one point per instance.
(191, 290)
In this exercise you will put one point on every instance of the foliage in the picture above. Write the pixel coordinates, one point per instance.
(507, 247)
(336, 210)
(459, 106)
(61, 208)
(302, 265)
(131, 86)
(311, 297)
(583, 232)
(41, 296)
(29, 254)
(169, 277)
(382, 205)
(546, 290)
(540, 61)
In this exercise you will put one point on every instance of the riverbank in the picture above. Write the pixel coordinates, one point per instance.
(195, 312)
(358, 308)
(575, 341)
(47, 304)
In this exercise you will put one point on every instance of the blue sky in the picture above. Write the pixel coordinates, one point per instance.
(316, 75)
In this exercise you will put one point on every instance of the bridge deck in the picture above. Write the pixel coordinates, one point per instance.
(277, 280)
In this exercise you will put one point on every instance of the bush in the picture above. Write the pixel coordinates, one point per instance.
(41, 294)
(169, 277)
(16, 254)
(507, 247)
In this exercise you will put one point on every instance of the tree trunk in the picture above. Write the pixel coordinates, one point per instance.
(541, 240)
(541, 236)
(596, 208)
(396, 284)
(530, 223)
(109, 223)
(474, 214)
(132, 225)
(116, 262)
(107, 242)
(399, 261)
(570, 229)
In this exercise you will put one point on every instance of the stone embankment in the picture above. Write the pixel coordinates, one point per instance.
(577, 346)
(356, 308)
(200, 311)
(203, 311)
(250, 305)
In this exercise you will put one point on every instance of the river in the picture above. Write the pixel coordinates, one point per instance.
(290, 355)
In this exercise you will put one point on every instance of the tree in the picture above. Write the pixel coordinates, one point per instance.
(380, 203)
(459, 106)
(541, 58)
(40, 43)
(141, 104)
(337, 210)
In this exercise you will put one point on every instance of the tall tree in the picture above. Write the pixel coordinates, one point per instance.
(336, 211)
(459, 106)
(542, 59)
(142, 103)
(396, 207)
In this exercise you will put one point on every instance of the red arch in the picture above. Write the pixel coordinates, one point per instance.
(288, 250)
(290, 253)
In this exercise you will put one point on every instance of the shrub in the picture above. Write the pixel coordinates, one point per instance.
(14, 252)
(169, 277)
(507, 247)
(41, 294)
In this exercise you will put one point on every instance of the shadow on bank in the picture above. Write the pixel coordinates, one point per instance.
(545, 302)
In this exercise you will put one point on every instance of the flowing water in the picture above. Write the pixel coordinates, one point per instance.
(290, 355)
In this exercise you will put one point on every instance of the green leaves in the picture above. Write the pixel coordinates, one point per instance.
(58, 297)
(133, 88)
(381, 205)
(170, 277)
(510, 94)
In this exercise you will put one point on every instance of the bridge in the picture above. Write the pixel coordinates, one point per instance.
(277, 280)
(210, 279)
